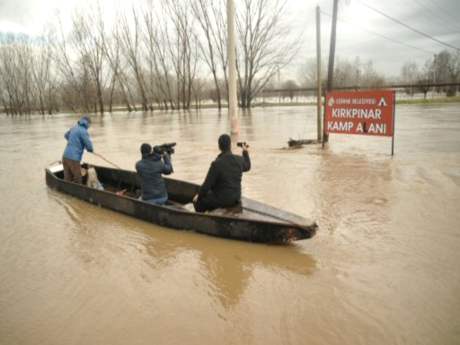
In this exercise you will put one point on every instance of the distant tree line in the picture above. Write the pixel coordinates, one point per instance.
(169, 54)
(347, 73)
(443, 67)
(353, 73)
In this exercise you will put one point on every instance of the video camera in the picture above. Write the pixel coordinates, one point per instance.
(164, 148)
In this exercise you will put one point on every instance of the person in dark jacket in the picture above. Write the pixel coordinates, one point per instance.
(150, 168)
(77, 141)
(222, 186)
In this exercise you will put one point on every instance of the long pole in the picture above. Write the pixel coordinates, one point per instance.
(393, 124)
(232, 98)
(105, 159)
(319, 100)
(330, 68)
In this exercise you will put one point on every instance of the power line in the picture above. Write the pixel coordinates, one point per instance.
(447, 13)
(409, 27)
(382, 36)
(442, 20)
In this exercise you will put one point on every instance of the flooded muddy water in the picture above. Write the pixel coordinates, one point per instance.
(383, 268)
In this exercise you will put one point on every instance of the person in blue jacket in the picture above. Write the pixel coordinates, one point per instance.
(77, 140)
(149, 169)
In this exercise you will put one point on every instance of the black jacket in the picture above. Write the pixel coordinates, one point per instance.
(224, 177)
(149, 169)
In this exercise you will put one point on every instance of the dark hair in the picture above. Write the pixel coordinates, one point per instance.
(225, 142)
(146, 149)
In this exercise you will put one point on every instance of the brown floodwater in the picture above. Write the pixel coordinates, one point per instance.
(384, 267)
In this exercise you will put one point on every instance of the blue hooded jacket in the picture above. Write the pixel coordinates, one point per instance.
(77, 140)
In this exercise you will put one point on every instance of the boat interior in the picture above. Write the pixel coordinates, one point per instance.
(126, 184)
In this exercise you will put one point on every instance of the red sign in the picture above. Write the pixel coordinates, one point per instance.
(360, 112)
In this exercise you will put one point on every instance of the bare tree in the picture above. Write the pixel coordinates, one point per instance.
(308, 73)
(130, 34)
(43, 76)
(290, 86)
(112, 50)
(16, 70)
(182, 49)
(72, 74)
(369, 77)
(206, 13)
(88, 38)
(446, 68)
(357, 74)
(159, 65)
(410, 75)
(10, 87)
(264, 47)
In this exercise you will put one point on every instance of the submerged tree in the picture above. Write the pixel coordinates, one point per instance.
(210, 19)
(27, 80)
(88, 39)
(131, 40)
(264, 48)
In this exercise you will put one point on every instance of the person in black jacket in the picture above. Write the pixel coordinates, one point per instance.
(150, 168)
(222, 186)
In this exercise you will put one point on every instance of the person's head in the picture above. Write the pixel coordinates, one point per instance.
(225, 143)
(84, 121)
(146, 149)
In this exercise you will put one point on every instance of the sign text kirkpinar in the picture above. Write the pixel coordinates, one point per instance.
(360, 112)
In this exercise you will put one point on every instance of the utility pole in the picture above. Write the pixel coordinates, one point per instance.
(434, 76)
(330, 68)
(319, 100)
(232, 97)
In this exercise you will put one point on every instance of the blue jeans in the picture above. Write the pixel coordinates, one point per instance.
(157, 201)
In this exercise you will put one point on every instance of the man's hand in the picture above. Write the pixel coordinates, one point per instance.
(245, 147)
(195, 198)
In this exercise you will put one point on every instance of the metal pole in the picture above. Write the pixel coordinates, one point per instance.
(232, 97)
(319, 100)
(394, 121)
(330, 68)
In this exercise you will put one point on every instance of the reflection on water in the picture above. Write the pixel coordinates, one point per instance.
(381, 270)
(227, 268)
(357, 191)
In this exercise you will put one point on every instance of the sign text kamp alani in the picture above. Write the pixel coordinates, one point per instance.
(361, 112)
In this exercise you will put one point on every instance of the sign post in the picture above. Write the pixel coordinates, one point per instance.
(393, 137)
(361, 113)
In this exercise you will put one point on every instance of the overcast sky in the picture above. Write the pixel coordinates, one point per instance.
(357, 28)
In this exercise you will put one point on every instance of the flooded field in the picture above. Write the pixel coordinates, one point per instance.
(383, 268)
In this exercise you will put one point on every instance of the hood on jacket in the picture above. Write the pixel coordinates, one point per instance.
(84, 121)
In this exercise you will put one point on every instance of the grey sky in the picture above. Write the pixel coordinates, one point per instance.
(438, 18)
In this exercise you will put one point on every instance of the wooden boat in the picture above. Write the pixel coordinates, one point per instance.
(256, 222)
